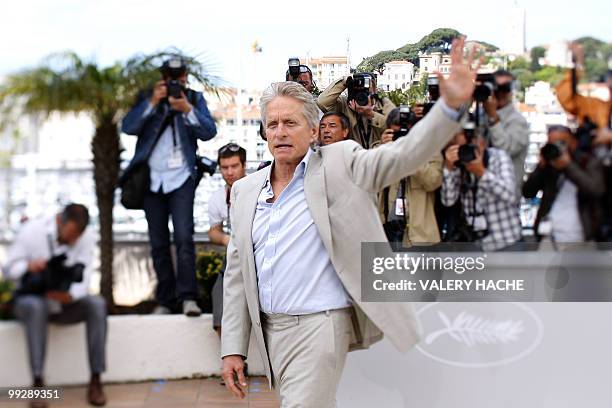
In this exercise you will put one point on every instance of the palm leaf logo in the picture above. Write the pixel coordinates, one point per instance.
(471, 330)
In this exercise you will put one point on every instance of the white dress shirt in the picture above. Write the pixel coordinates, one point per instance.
(37, 239)
(162, 175)
(294, 272)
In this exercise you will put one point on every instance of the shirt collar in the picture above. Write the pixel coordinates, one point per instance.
(300, 170)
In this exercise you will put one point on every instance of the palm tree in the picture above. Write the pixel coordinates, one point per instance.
(65, 83)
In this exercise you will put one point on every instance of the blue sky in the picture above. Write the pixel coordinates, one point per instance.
(110, 30)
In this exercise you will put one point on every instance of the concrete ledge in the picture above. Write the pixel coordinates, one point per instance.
(138, 348)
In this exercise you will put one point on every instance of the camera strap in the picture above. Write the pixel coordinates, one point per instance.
(363, 135)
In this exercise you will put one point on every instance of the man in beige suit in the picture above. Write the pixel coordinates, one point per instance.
(293, 261)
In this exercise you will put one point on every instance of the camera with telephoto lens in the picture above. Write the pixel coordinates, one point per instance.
(172, 70)
(406, 120)
(359, 88)
(55, 277)
(552, 151)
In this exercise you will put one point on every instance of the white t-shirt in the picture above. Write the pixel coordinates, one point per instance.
(218, 210)
(564, 215)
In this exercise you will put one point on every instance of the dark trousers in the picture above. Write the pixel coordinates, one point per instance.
(33, 312)
(158, 208)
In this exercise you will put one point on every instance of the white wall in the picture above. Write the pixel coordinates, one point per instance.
(138, 348)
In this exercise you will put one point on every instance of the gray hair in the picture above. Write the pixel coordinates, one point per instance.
(292, 90)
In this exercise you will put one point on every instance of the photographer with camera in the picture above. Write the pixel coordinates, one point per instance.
(407, 207)
(168, 121)
(50, 262)
(367, 112)
(572, 184)
(301, 74)
(595, 120)
(483, 179)
(232, 162)
(508, 129)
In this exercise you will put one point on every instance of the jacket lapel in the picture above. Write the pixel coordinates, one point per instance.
(316, 197)
(248, 202)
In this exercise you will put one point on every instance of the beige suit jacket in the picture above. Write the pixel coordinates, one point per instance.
(340, 185)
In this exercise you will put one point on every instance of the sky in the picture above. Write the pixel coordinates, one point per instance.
(223, 31)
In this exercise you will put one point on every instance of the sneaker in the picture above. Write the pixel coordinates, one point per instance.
(191, 309)
(161, 310)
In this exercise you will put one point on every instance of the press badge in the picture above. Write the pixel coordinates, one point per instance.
(399, 206)
(480, 223)
(176, 159)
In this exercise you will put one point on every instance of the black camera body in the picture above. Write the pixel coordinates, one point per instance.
(175, 88)
(485, 86)
(359, 88)
(205, 165)
(407, 119)
(433, 88)
(293, 72)
(173, 69)
(552, 151)
(55, 277)
(467, 153)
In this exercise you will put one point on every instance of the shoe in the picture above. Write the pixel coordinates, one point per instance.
(38, 383)
(95, 393)
(191, 309)
(161, 310)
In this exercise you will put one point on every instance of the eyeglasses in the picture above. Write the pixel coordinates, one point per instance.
(232, 147)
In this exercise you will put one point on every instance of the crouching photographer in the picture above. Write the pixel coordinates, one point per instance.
(572, 183)
(407, 207)
(483, 179)
(367, 112)
(50, 263)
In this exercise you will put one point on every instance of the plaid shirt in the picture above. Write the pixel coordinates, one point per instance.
(495, 197)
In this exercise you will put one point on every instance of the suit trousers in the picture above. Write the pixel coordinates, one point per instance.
(33, 311)
(307, 354)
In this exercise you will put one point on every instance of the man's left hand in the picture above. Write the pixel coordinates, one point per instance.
(476, 166)
(180, 104)
(366, 111)
(61, 297)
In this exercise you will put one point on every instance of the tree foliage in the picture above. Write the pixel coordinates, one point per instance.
(438, 40)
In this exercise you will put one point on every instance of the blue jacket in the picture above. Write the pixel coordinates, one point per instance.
(147, 129)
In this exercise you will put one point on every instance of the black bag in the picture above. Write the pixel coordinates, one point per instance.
(135, 186)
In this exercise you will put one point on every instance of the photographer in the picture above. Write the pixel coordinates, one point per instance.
(407, 207)
(50, 262)
(508, 129)
(232, 162)
(366, 111)
(595, 119)
(333, 127)
(168, 121)
(483, 178)
(301, 74)
(572, 183)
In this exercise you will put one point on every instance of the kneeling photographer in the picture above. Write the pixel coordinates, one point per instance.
(407, 207)
(168, 121)
(483, 179)
(367, 112)
(50, 262)
(572, 182)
